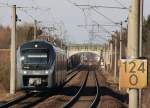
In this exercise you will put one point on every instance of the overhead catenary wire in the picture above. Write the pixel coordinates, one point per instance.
(35, 8)
(100, 37)
(101, 6)
(25, 7)
(103, 28)
(110, 20)
(119, 3)
(69, 1)
(85, 16)
(5, 5)
(34, 2)
(97, 24)
(100, 25)
(126, 2)
(94, 9)
(23, 10)
(26, 10)
(109, 7)
(109, 25)
(31, 16)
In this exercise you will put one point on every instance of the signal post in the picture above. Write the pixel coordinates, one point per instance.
(133, 46)
(13, 51)
(133, 70)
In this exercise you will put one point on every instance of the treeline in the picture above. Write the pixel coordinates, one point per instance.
(146, 43)
(25, 32)
(146, 37)
(4, 37)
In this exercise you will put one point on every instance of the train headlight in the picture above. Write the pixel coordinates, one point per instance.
(46, 72)
(35, 45)
(25, 72)
(22, 58)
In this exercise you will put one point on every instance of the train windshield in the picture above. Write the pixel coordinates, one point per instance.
(35, 59)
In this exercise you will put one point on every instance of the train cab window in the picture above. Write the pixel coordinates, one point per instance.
(35, 59)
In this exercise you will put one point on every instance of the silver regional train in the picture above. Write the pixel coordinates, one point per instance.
(40, 65)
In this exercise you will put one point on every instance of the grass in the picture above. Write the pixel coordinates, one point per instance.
(4, 69)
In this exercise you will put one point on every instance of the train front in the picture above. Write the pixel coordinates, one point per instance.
(35, 62)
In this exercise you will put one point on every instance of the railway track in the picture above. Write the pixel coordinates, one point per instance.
(75, 98)
(70, 77)
(97, 96)
(72, 74)
(28, 100)
(16, 100)
(33, 98)
(92, 101)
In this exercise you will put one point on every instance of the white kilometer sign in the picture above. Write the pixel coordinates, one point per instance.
(133, 73)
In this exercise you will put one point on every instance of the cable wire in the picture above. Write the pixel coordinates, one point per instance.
(100, 6)
(5, 5)
(23, 10)
(120, 3)
(104, 16)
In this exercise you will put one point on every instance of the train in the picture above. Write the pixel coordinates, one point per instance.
(84, 59)
(73, 61)
(40, 65)
(89, 59)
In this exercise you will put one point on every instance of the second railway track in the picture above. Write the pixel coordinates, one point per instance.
(28, 100)
(33, 98)
(88, 94)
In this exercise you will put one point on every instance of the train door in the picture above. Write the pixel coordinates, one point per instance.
(56, 70)
(59, 69)
(65, 67)
(62, 71)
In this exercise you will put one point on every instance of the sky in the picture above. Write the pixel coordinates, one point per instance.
(64, 12)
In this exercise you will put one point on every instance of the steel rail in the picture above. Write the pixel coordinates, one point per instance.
(71, 77)
(19, 99)
(36, 101)
(27, 99)
(16, 100)
(96, 99)
(74, 98)
(73, 70)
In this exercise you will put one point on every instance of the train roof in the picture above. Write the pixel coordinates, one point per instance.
(57, 49)
(41, 43)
